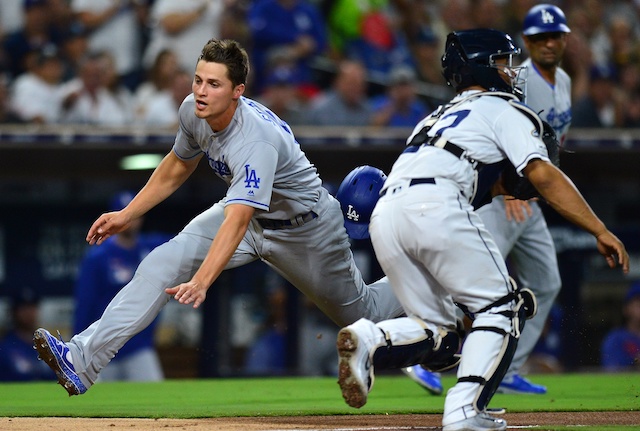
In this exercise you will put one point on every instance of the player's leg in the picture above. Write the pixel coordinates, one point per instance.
(135, 306)
(536, 267)
(440, 232)
(317, 259)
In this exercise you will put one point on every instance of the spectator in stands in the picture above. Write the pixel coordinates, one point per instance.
(17, 361)
(426, 51)
(346, 103)
(88, 99)
(234, 23)
(487, 13)
(602, 106)
(37, 96)
(112, 82)
(400, 106)
(159, 80)
(102, 273)
(36, 33)
(114, 27)
(73, 48)
(621, 347)
(7, 114)
(282, 95)
(183, 27)
(162, 107)
(381, 45)
(293, 29)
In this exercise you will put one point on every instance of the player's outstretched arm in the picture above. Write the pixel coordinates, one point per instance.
(232, 230)
(560, 192)
(170, 174)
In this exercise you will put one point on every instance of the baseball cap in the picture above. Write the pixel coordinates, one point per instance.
(633, 292)
(28, 4)
(545, 18)
(120, 200)
(401, 75)
(24, 296)
(283, 75)
(603, 72)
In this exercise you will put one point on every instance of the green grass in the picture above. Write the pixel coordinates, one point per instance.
(392, 394)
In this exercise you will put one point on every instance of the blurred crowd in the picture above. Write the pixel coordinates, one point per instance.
(315, 62)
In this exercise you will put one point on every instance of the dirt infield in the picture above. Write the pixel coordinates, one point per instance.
(536, 421)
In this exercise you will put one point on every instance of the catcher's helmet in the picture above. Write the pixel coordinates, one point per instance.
(358, 194)
(544, 18)
(470, 59)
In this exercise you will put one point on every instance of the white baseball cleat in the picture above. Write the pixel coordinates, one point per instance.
(355, 371)
(480, 422)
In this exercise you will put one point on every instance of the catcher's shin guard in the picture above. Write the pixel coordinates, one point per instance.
(492, 342)
(409, 341)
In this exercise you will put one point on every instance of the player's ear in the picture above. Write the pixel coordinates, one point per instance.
(238, 91)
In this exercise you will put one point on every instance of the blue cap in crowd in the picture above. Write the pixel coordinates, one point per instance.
(121, 200)
(633, 292)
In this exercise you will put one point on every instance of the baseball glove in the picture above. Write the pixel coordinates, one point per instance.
(520, 187)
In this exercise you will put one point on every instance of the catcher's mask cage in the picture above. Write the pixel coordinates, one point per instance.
(358, 194)
(472, 57)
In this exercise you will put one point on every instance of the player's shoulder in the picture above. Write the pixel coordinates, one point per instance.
(512, 105)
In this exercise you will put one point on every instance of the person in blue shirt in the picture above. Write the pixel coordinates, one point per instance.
(103, 272)
(400, 105)
(17, 361)
(621, 346)
(290, 29)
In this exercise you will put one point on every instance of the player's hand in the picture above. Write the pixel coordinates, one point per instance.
(516, 209)
(106, 225)
(613, 251)
(190, 292)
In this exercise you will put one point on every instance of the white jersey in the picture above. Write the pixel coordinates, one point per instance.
(489, 128)
(256, 155)
(551, 102)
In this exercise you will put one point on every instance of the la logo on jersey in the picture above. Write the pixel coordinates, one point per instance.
(547, 17)
(352, 214)
(251, 180)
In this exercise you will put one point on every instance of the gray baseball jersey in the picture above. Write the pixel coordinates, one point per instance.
(551, 102)
(298, 230)
(528, 244)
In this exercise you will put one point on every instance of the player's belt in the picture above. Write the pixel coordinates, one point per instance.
(296, 221)
(413, 182)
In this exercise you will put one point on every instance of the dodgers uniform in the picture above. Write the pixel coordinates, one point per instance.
(433, 246)
(528, 244)
(297, 230)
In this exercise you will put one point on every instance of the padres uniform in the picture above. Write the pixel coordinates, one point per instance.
(432, 244)
(528, 244)
(297, 230)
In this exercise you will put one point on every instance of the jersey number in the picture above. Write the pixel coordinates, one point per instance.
(457, 116)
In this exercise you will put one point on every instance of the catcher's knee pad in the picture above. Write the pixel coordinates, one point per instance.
(433, 351)
(445, 353)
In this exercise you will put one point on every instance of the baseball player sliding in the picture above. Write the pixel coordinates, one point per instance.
(275, 210)
(433, 246)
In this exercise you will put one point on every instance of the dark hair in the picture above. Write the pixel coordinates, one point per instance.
(231, 54)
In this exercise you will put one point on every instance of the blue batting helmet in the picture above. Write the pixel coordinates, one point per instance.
(358, 194)
(544, 18)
